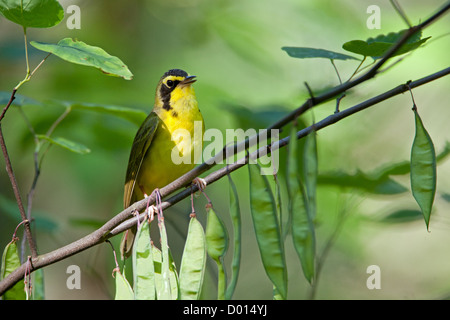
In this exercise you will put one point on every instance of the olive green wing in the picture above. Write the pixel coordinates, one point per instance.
(141, 143)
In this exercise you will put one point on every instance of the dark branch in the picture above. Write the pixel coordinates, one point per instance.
(117, 224)
(15, 188)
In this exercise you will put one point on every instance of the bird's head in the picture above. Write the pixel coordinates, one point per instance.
(173, 86)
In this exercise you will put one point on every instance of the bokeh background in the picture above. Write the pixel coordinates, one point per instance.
(244, 79)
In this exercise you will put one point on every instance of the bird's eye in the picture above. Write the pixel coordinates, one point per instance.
(169, 83)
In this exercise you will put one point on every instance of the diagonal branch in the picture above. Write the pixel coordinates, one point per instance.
(311, 102)
(15, 188)
(120, 223)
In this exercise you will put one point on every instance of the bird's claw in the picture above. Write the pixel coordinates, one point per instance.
(200, 183)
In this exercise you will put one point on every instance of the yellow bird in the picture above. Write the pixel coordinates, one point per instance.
(151, 162)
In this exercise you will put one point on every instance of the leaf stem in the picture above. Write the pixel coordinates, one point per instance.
(39, 65)
(58, 121)
(15, 187)
(337, 72)
(357, 69)
(29, 73)
(26, 51)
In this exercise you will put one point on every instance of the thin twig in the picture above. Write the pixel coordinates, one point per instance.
(26, 52)
(39, 65)
(414, 108)
(311, 94)
(357, 69)
(115, 256)
(17, 227)
(343, 213)
(11, 99)
(400, 11)
(15, 187)
(58, 121)
(338, 102)
(25, 217)
(337, 72)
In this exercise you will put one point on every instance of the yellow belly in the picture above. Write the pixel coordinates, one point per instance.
(158, 168)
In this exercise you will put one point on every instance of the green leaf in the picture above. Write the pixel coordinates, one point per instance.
(302, 227)
(32, 13)
(237, 33)
(423, 169)
(267, 230)
(276, 294)
(41, 219)
(66, 144)
(247, 118)
(10, 262)
(446, 197)
(38, 285)
(133, 115)
(362, 181)
(19, 100)
(91, 223)
(235, 213)
(404, 167)
(216, 235)
(310, 172)
(79, 52)
(123, 288)
(401, 216)
(166, 292)
(304, 53)
(377, 181)
(378, 46)
(157, 261)
(143, 268)
(216, 245)
(279, 203)
(192, 267)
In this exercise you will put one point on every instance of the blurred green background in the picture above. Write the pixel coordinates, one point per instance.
(234, 48)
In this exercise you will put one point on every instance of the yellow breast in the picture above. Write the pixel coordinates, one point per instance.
(176, 146)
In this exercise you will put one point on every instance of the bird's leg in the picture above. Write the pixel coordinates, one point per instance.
(158, 201)
(135, 214)
(200, 183)
(150, 209)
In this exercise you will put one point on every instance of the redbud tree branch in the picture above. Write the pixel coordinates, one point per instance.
(9, 168)
(122, 220)
(12, 178)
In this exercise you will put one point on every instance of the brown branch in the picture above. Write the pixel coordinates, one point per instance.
(367, 76)
(15, 187)
(13, 180)
(120, 223)
(25, 217)
(13, 96)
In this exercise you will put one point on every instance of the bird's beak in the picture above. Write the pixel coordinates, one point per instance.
(188, 80)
